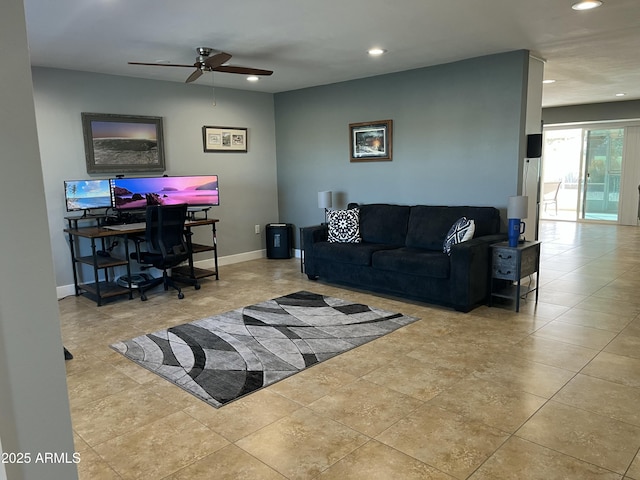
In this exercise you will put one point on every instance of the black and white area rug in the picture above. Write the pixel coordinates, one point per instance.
(222, 358)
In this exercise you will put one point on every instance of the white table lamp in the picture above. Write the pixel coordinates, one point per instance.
(325, 201)
(517, 209)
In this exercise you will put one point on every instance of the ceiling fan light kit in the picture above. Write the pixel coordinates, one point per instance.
(586, 4)
(206, 62)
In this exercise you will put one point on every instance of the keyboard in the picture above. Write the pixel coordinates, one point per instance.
(126, 226)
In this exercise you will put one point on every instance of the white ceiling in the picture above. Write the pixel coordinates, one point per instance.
(592, 55)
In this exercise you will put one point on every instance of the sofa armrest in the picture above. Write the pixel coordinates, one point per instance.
(471, 270)
(314, 234)
(311, 236)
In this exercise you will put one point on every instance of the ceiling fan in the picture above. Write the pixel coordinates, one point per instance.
(205, 62)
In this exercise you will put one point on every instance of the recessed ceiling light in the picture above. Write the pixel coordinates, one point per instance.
(586, 4)
(252, 78)
(549, 81)
(375, 52)
(620, 94)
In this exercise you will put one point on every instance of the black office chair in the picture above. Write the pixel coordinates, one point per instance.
(166, 246)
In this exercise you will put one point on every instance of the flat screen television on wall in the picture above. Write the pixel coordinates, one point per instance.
(136, 193)
(87, 194)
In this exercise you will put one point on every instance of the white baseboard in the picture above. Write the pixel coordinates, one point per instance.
(68, 290)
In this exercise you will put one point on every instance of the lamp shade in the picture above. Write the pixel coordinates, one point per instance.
(518, 207)
(324, 199)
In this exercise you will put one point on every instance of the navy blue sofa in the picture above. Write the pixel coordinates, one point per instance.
(401, 254)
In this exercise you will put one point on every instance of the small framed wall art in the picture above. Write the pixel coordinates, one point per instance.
(123, 143)
(224, 139)
(371, 141)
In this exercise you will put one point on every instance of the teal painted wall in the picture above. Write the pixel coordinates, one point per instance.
(457, 139)
(248, 189)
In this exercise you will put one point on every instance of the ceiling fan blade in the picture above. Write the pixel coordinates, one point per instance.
(161, 64)
(217, 60)
(194, 76)
(242, 70)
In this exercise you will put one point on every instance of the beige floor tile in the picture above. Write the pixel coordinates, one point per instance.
(244, 416)
(524, 375)
(543, 309)
(634, 469)
(553, 353)
(619, 294)
(615, 368)
(93, 467)
(613, 322)
(443, 352)
(627, 345)
(303, 444)
(585, 286)
(161, 448)
(523, 460)
(575, 334)
(172, 394)
(228, 463)
(633, 328)
(375, 461)
(554, 297)
(365, 406)
(364, 359)
(520, 355)
(445, 440)
(584, 435)
(313, 383)
(414, 378)
(493, 404)
(602, 397)
(100, 381)
(117, 414)
(604, 305)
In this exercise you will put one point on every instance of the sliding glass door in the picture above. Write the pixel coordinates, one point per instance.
(602, 171)
(582, 172)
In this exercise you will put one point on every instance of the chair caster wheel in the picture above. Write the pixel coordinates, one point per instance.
(181, 295)
(197, 286)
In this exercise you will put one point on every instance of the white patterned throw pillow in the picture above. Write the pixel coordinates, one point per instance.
(461, 231)
(344, 225)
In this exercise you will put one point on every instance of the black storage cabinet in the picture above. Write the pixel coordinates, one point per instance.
(279, 240)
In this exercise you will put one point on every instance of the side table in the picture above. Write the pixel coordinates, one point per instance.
(511, 264)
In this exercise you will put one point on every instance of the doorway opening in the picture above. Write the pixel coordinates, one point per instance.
(581, 173)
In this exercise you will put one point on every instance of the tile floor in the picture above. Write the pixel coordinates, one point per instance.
(550, 393)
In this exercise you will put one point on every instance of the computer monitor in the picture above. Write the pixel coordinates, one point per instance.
(136, 193)
(87, 194)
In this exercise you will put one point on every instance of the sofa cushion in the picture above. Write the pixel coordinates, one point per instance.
(349, 253)
(461, 231)
(428, 225)
(344, 225)
(384, 223)
(413, 261)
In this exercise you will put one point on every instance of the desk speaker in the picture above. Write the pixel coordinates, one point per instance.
(534, 145)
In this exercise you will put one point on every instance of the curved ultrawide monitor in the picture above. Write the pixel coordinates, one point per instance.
(87, 194)
(136, 193)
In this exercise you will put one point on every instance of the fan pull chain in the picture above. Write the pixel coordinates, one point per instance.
(213, 91)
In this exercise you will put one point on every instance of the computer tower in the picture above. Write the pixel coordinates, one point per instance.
(279, 240)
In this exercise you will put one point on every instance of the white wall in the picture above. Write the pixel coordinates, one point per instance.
(248, 189)
(34, 407)
(533, 166)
